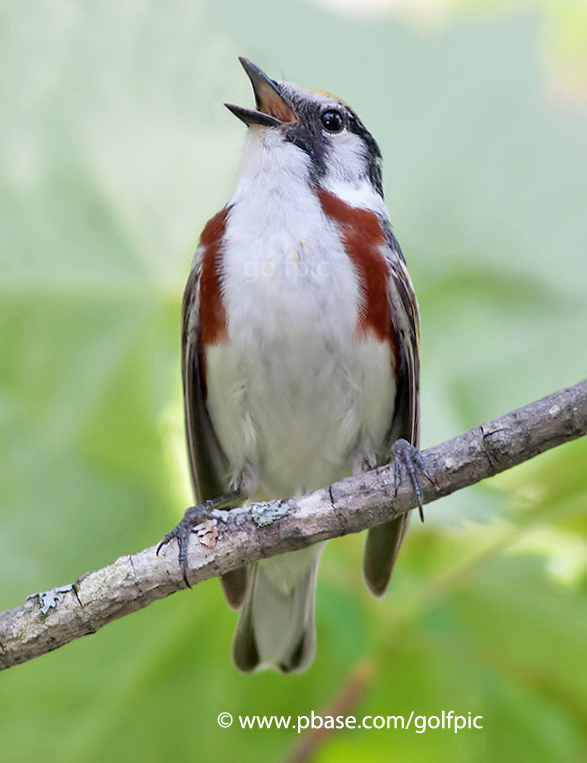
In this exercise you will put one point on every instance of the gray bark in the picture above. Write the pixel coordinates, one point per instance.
(241, 536)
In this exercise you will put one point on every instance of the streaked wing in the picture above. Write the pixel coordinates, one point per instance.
(383, 542)
(404, 311)
(208, 465)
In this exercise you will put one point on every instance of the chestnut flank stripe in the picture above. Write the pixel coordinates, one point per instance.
(364, 237)
(212, 313)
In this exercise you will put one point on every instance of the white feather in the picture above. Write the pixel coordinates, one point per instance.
(296, 398)
(293, 393)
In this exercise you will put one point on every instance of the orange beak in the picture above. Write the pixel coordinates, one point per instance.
(273, 109)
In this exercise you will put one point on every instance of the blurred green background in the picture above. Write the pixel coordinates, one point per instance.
(115, 150)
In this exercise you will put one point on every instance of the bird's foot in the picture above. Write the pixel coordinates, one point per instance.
(193, 517)
(197, 516)
(408, 459)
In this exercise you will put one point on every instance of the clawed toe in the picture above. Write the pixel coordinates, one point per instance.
(193, 517)
(409, 459)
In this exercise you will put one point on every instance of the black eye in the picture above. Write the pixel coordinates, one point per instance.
(332, 120)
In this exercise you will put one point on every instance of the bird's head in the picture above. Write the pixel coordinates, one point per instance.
(311, 128)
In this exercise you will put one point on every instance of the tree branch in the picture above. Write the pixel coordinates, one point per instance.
(241, 536)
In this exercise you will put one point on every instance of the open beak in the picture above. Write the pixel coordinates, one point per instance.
(273, 110)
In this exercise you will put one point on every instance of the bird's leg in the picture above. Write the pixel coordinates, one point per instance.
(407, 458)
(193, 517)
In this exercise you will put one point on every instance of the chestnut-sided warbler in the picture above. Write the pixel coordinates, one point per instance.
(300, 350)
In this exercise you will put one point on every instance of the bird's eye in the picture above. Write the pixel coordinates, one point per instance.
(332, 120)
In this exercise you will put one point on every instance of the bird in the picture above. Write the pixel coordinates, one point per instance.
(300, 351)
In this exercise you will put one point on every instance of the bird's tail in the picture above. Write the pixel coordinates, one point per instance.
(276, 624)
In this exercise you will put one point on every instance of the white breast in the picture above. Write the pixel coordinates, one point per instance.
(293, 395)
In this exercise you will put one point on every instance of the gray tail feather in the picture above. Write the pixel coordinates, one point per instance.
(234, 585)
(276, 625)
(381, 550)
